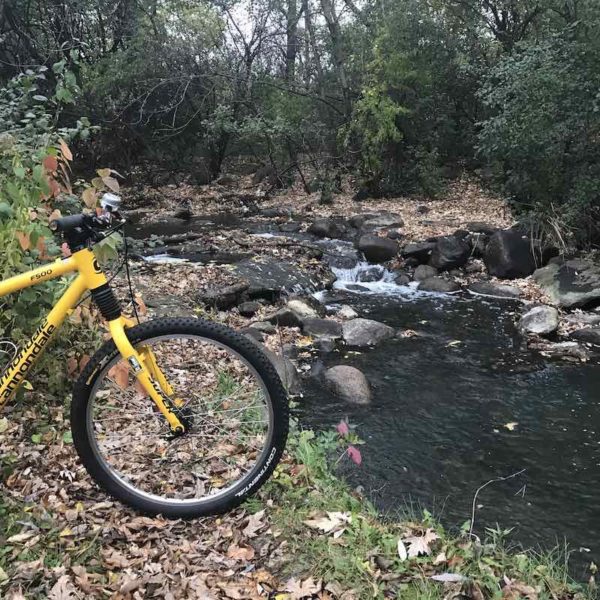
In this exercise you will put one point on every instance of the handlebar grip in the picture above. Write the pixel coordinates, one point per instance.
(70, 222)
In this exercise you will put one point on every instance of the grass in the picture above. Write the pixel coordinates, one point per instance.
(365, 556)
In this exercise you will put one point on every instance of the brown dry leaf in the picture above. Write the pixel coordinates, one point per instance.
(71, 366)
(62, 590)
(240, 552)
(518, 591)
(419, 544)
(19, 538)
(24, 240)
(255, 524)
(65, 150)
(111, 183)
(120, 374)
(302, 589)
(141, 305)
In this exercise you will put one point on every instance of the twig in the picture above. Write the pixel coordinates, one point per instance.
(497, 480)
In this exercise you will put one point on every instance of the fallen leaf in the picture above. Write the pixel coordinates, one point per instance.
(119, 373)
(302, 589)
(50, 163)
(20, 537)
(240, 552)
(511, 426)
(330, 523)
(402, 552)
(449, 578)
(419, 544)
(255, 524)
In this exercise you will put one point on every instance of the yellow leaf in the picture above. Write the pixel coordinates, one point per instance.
(27, 385)
(511, 426)
(89, 197)
(103, 173)
(65, 150)
(66, 532)
(111, 183)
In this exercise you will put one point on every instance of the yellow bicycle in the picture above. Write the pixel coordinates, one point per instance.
(178, 416)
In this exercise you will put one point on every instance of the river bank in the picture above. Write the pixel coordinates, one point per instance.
(262, 266)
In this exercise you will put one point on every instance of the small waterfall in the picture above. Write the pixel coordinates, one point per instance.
(367, 278)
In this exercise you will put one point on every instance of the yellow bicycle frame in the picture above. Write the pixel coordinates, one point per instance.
(90, 277)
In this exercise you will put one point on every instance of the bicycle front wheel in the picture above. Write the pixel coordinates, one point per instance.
(230, 397)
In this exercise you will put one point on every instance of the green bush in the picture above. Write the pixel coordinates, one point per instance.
(34, 167)
(543, 128)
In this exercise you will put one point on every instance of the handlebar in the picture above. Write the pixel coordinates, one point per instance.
(85, 229)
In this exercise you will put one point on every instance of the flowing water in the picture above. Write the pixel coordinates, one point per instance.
(463, 402)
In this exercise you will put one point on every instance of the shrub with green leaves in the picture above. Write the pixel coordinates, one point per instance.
(543, 128)
(34, 166)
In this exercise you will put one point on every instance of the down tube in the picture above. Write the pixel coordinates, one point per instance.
(17, 370)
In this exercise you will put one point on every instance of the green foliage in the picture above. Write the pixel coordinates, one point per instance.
(32, 164)
(543, 128)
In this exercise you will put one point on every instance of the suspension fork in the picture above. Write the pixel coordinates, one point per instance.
(144, 366)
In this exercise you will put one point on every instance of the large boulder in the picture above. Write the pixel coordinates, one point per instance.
(573, 284)
(508, 255)
(377, 249)
(294, 313)
(365, 332)
(269, 277)
(540, 320)
(327, 228)
(349, 384)
(450, 253)
(382, 220)
(420, 251)
(439, 285)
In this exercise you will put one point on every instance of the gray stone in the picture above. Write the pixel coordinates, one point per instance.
(576, 283)
(304, 308)
(439, 284)
(566, 350)
(402, 279)
(589, 335)
(395, 234)
(481, 227)
(382, 220)
(327, 228)
(269, 277)
(540, 320)
(286, 370)
(322, 328)
(420, 251)
(509, 255)
(347, 313)
(495, 290)
(449, 253)
(286, 317)
(224, 297)
(264, 327)
(253, 333)
(248, 309)
(349, 384)
(340, 261)
(371, 274)
(423, 272)
(377, 249)
(365, 332)
(583, 318)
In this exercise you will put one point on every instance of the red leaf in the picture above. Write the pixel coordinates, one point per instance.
(50, 163)
(342, 428)
(354, 455)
